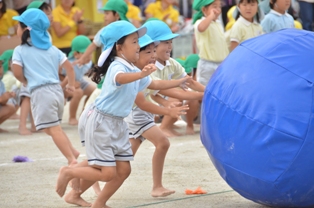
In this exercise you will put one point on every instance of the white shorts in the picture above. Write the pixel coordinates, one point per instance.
(47, 103)
(106, 138)
(205, 70)
(139, 121)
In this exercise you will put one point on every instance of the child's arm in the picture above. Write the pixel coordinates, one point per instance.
(161, 101)
(233, 45)
(194, 85)
(71, 76)
(18, 73)
(85, 58)
(182, 95)
(5, 97)
(124, 78)
(145, 105)
(204, 24)
(167, 84)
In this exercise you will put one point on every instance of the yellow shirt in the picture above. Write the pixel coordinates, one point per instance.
(243, 30)
(156, 10)
(211, 43)
(134, 13)
(7, 23)
(59, 15)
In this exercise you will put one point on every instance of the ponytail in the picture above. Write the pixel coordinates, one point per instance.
(25, 35)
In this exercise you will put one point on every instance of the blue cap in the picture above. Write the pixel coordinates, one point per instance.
(146, 40)
(158, 30)
(38, 24)
(114, 32)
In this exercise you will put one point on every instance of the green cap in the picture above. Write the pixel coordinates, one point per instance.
(181, 61)
(79, 44)
(191, 63)
(35, 4)
(118, 6)
(5, 58)
(198, 5)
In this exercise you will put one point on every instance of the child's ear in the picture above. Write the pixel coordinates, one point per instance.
(118, 47)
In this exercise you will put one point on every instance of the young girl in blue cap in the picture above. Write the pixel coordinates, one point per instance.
(35, 63)
(102, 128)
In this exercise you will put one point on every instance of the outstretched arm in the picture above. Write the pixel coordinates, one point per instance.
(182, 95)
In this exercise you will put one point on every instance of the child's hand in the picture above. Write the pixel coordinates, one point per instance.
(184, 82)
(170, 104)
(148, 69)
(177, 111)
(213, 13)
(70, 89)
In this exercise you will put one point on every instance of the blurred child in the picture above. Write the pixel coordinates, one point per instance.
(209, 38)
(7, 106)
(79, 46)
(167, 68)
(247, 23)
(8, 78)
(101, 125)
(164, 11)
(35, 64)
(278, 17)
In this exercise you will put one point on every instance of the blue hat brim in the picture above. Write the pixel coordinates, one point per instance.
(167, 37)
(17, 18)
(146, 43)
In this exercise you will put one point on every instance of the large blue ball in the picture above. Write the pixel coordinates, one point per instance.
(258, 119)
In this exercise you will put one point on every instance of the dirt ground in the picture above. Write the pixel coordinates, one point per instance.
(187, 165)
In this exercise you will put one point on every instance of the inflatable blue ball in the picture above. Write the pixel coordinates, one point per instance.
(258, 119)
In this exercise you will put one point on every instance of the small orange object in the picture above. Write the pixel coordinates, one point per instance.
(199, 190)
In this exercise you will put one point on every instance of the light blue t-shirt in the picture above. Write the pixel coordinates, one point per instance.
(97, 40)
(80, 71)
(40, 67)
(274, 21)
(115, 99)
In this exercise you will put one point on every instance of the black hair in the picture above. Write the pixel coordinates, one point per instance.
(143, 48)
(44, 6)
(98, 72)
(25, 35)
(257, 14)
(272, 3)
(4, 8)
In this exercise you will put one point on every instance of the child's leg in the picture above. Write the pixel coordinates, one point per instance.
(162, 145)
(96, 188)
(123, 172)
(191, 115)
(62, 142)
(74, 103)
(167, 123)
(25, 110)
(95, 173)
(6, 111)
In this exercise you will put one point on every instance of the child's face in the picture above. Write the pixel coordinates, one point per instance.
(215, 8)
(78, 55)
(248, 10)
(147, 56)
(163, 50)
(282, 5)
(48, 12)
(130, 48)
(111, 17)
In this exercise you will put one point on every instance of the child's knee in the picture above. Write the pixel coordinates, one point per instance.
(163, 143)
(108, 174)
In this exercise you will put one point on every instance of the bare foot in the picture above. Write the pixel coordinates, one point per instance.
(3, 131)
(170, 132)
(73, 198)
(62, 181)
(15, 116)
(161, 192)
(189, 130)
(96, 188)
(24, 131)
(73, 121)
(33, 129)
(75, 182)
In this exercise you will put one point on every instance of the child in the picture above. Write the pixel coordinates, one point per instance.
(278, 17)
(247, 23)
(209, 38)
(101, 125)
(7, 107)
(164, 11)
(35, 64)
(79, 45)
(8, 78)
(167, 68)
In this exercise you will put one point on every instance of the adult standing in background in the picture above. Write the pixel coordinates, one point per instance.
(307, 14)
(67, 24)
(8, 26)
